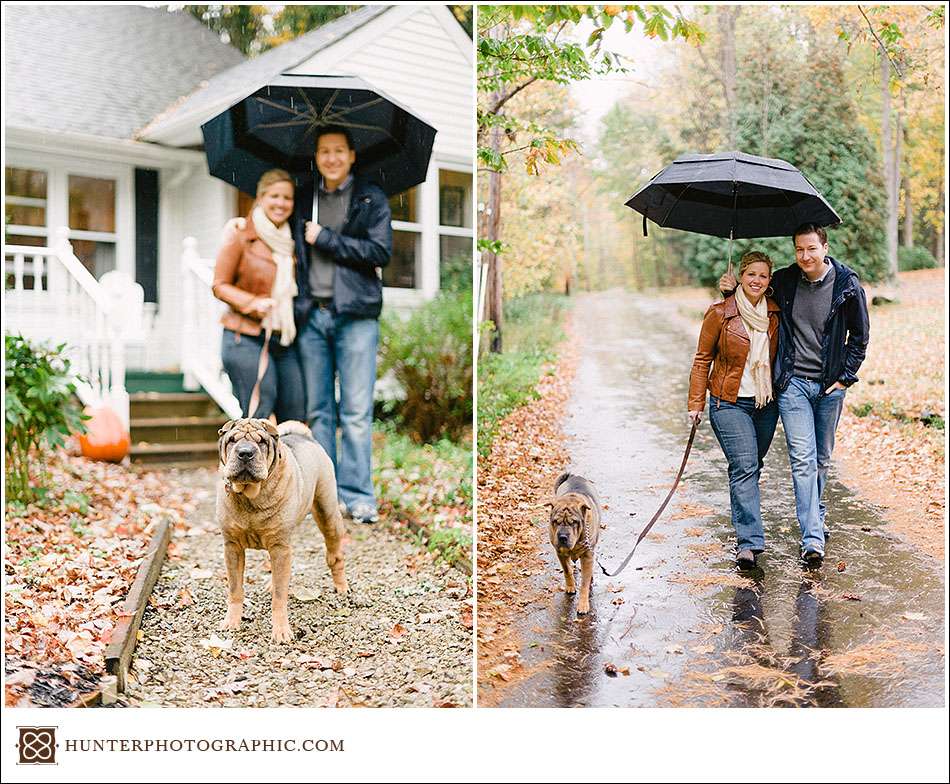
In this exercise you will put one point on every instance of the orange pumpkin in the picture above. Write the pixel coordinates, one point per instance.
(105, 437)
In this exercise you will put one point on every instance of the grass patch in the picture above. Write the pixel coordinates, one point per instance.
(431, 483)
(533, 329)
(453, 544)
(886, 411)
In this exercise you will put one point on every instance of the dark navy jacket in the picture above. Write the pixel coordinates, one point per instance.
(364, 243)
(845, 340)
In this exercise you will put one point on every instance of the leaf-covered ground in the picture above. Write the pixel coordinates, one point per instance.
(515, 478)
(891, 440)
(892, 435)
(71, 559)
(402, 637)
(69, 563)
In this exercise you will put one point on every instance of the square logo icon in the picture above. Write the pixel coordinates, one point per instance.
(37, 745)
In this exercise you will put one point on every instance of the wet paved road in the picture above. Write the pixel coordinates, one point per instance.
(678, 618)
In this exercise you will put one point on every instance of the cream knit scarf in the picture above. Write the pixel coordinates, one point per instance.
(280, 318)
(755, 319)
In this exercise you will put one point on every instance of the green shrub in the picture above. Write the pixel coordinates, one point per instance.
(41, 410)
(508, 380)
(915, 258)
(431, 358)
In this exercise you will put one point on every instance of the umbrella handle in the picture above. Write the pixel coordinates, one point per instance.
(729, 270)
(732, 229)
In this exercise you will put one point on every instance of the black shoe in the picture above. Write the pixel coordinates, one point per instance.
(813, 559)
(745, 560)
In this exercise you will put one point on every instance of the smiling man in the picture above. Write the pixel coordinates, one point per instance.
(823, 338)
(343, 234)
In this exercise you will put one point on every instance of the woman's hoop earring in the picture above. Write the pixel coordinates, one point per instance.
(770, 292)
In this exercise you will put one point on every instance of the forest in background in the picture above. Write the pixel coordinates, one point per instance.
(853, 96)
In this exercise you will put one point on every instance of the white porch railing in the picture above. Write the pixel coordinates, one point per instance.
(50, 296)
(201, 331)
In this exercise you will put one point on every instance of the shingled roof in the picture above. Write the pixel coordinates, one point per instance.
(105, 70)
(251, 74)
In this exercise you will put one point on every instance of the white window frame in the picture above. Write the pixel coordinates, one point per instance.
(428, 229)
(58, 170)
(417, 228)
(453, 231)
(28, 201)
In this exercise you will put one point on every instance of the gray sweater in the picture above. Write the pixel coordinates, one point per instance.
(810, 312)
(333, 206)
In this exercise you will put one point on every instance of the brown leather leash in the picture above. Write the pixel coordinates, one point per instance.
(656, 516)
(261, 370)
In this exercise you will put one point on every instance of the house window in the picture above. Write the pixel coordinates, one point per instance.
(25, 218)
(455, 228)
(24, 207)
(407, 240)
(92, 208)
(455, 199)
(92, 200)
(455, 262)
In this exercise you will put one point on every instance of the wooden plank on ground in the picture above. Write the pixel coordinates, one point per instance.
(124, 637)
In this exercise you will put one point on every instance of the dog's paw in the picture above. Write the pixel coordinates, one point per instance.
(232, 621)
(571, 590)
(281, 633)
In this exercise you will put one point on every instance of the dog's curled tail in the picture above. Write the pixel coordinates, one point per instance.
(293, 428)
(561, 480)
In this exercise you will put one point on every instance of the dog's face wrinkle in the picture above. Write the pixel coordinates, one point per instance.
(254, 470)
(273, 449)
(567, 521)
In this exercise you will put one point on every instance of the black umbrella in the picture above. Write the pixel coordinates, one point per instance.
(734, 195)
(276, 127)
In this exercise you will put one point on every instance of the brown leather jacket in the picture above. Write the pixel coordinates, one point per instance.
(243, 272)
(724, 344)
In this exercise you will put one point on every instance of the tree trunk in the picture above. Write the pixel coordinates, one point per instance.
(908, 216)
(726, 19)
(890, 168)
(908, 201)
(492, 231)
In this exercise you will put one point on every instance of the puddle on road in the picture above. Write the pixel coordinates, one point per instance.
(678, 619)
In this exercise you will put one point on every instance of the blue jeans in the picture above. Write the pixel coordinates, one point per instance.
(745, 433)
(282, 389)
(332, 345)
(810, 418)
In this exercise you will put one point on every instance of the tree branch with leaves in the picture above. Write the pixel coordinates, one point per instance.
(520, 47)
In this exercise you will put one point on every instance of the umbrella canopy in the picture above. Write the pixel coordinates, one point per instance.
(276, 127)
(732, 194)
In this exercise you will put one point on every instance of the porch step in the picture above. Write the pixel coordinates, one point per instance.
(198, 453)
(147, 381)
(177, 429)
(149, 405)
(174, 428)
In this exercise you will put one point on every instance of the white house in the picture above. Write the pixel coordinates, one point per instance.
(102, 136)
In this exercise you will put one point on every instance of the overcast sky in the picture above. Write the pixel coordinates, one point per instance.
(647, 58)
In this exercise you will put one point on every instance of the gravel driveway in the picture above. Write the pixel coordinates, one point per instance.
(402, 638)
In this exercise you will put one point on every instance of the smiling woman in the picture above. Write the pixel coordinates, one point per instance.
(737, 346)
(255, 275)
